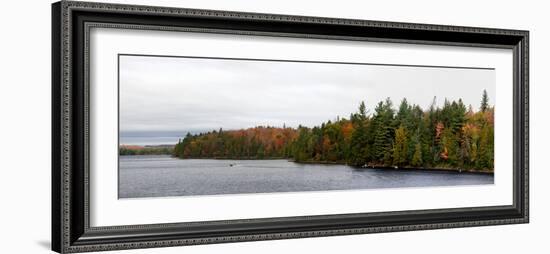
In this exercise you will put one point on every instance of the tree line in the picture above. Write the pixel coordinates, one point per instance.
(253, 143)
(145, 150)
(451, 136)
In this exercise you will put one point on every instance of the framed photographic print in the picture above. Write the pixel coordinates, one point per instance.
(182, 126)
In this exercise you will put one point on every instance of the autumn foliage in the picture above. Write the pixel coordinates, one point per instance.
(253, 143)
(450, 136)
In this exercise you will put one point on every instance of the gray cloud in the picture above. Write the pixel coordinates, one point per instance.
(184, 94)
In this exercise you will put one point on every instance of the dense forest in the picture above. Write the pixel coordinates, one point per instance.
(451, 136)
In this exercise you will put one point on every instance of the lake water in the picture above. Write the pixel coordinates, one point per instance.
(161, 176)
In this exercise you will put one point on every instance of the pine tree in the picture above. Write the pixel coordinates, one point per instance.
(404, 115)
(358, 143)
(362, 110)
(383, 132)
(448, 136)
(484, 102)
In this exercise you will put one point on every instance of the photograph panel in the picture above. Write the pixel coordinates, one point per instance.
(207, 126)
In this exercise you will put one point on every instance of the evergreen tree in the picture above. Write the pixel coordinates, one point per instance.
(447, 136)
(359, 141)
(362, 110)
(404, 115)
(383, 132)
(484, 101)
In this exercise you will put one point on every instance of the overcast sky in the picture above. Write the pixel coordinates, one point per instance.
(185, 94)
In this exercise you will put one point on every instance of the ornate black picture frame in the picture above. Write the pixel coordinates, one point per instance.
(71, 231)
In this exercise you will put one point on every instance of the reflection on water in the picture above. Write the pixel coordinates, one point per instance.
(161, 176)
